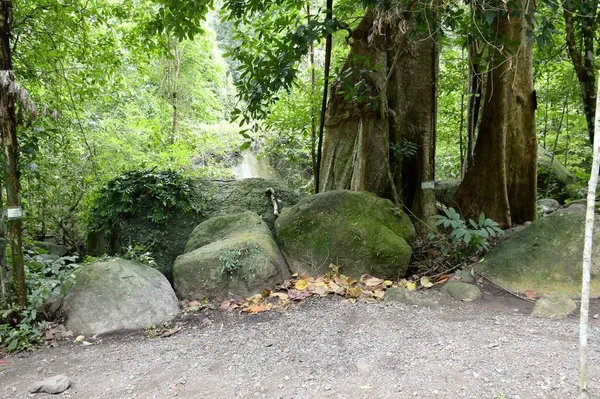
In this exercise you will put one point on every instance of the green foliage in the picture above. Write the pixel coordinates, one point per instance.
(462, 239)
(125, 197)
(139, 253)
(22, 329)
(229, 258)
(405, 151)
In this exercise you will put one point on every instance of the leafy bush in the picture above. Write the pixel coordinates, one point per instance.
(463, 239)
(22, 329)
(126, 196)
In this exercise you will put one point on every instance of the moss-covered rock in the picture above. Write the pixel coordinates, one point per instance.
(556, 305)
(167, 240)
(545, 256)
(229, 255)
(462, 291)
(118, 295)
(358, 231)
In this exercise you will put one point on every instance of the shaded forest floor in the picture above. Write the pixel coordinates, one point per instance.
(329, 348)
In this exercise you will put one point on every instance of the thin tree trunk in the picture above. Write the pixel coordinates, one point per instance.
(587, 262)
(328, 42)
(462, 118)
(582, 57)
(474, 99)
(4, 281)
(313, 91)
(11, 153)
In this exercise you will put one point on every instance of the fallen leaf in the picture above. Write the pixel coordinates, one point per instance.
(411, 286)
(169, 332)
(227, 304)
(257, 309)
(531, 294)
(373, 282)
(86, 343)
(3, 363)
(265, 293)
(79, 338)
(442, 279)
(295, 275)
(388, 283)
(379, 294)
(425, 282)
(301, 285)
(402, 283)
(365, 387)
(493, 345)
(280, 295)
(336, 289)
(354, 292)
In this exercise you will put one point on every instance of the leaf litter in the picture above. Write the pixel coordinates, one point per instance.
(366, 289)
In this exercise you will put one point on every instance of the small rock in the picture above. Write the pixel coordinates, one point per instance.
(462, 291)
(395, 294)
(548, 205)
(556, 305)
(53, 385)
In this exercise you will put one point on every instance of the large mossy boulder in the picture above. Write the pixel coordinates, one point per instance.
(166, 240)
(356, 230)
(545, 256)
(118, 295)
(229, 255)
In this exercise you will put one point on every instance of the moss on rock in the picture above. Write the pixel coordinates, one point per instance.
(358, 231)
(545, 256)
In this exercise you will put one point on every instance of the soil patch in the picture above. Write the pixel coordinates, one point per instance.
(330, 348)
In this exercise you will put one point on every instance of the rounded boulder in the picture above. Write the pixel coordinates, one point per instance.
(355, 230)
(118, 295)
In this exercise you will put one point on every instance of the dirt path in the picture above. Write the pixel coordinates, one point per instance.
(326, 348)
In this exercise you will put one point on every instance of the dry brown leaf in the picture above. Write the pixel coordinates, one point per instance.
(531, 294)
(373, 282)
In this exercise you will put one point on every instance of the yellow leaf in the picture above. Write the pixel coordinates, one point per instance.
(354, 292)
(425, 282)
(411, 286)
(336, 289)
(388, 283)
(295, 275)
(379, 294)
(280, 295)
(79, 338)
(301, 285)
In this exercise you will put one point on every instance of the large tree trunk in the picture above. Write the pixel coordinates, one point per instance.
(8, 130)
(387, 97)
(502, 181)
(353, 148)
(412, 95)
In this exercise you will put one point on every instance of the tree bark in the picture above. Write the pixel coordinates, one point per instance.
(474, 99)
(413, 101)
(587, 262)
(387, 96)
(11, 152)
(502, 181)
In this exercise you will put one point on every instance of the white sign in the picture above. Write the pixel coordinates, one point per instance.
(428, 185)
(14, 212)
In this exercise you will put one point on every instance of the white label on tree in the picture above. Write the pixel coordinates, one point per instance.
(14, 212)
(428, 185)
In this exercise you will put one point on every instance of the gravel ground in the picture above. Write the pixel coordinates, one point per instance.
(328, 348)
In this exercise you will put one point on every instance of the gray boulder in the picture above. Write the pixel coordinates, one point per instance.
(229, 255)
(574, 208)
(445, 190)
(356, 230)
(555, 305)
(548, 205)
(118, 295)
(462, 291)
(545, 256)
(52, 385)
